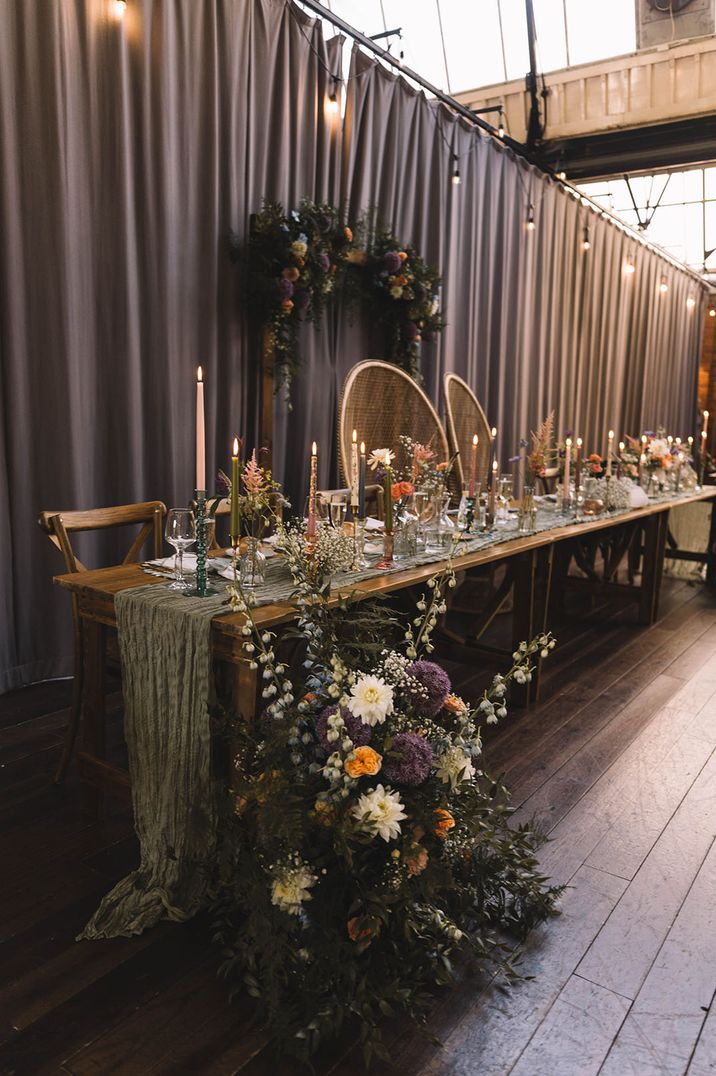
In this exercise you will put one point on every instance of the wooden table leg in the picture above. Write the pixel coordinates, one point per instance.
(93, 711)
(655, 531)
(244, 689)
(711, 550)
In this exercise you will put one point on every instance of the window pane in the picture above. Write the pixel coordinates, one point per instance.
(598, 31)
(472, 41)
(710, 181)
(514, 36)
(551, 40)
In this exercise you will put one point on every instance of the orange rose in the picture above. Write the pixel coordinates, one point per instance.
(444, 823)
(286, 306)
(363, 928)
(364, 761)
(442, 466)
(402, 255)
(348, 234)
(290, 274)
(402, 489)
(455, 705)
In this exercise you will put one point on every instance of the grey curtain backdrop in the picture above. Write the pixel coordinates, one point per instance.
(129, 149)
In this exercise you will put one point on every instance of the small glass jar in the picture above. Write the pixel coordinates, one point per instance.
(406, 533)
(527, 515)
(253, 565)
(441, 530)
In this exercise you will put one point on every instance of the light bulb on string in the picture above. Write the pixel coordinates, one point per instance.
(456, 172)
(712, 312)
(630, 268)
(530, 218)
(119, 8)
(501, 125)
(562, 175)
(332, 106)
(691, 302)
(585, 238)
(663, 286)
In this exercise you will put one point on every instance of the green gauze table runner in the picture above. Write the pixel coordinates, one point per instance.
(164, 641)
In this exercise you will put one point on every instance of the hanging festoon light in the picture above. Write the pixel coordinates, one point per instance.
(530, 223)
(585, 238)
(663, 286)
(630, 267)
(455, 171)
(691, 302)
(332, 102)
(501, 124)
(119, 8)
(712, 312)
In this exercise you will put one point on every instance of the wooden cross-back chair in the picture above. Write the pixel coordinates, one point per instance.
(464, 418)
(58, 526)
(374, 498)
(381, 402)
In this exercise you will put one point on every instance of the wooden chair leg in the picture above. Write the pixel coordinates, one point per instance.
(75, 711)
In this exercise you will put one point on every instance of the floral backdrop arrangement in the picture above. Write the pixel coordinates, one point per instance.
(296, 265)
(364, 846)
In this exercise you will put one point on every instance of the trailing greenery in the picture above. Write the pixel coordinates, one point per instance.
(363, 846)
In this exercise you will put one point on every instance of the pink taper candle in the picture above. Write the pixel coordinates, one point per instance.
(578, 464)
(200, 435)
(312, 493)
(473, 466)
(567, 466)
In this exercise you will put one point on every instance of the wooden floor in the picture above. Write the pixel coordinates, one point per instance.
(619, 764)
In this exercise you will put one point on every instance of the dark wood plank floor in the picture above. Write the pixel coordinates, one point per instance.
(618, 762)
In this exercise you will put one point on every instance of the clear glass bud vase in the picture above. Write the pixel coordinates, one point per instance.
(527, 515)
(441, 530)
(406, 533)
(253, 564)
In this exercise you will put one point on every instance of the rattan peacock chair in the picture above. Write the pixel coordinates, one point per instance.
(381, 402)
(464, 417)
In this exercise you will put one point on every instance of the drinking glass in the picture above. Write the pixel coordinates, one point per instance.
(181, 533)
(338, 506)
(504, 497)
(421, 506)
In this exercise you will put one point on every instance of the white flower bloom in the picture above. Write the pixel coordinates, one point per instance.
(291, 888)
(371, 699)
(455, 766)
(381, 812)
(380, 457)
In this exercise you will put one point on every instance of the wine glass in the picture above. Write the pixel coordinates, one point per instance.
(181, 533)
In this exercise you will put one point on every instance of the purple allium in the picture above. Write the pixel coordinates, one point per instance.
(392, 261)
(323, 261)
(354, 728)
(284, 288)
(325, 223)
(411, 762)
(420, 293)
(434, 687)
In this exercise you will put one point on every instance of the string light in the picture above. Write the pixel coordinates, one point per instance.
(585, 241)
(456, 172)
(501, 127)
(691, 302)
(530, 218)
(712, 312)
(663, 287)
(630, 268)
(562, 175)
(332, 102)
(119, 7)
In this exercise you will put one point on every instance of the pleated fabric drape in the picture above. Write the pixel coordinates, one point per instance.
(128, 151)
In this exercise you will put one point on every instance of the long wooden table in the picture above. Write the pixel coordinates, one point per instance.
(530, 561)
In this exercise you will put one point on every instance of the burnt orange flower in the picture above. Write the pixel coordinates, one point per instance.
(402, 489)
(363, 928)
(348, 234)
(287, 305)
(455, 705)
(290, 274)
(364, 761)
(402, 255)
(442, 466)
(444, 823)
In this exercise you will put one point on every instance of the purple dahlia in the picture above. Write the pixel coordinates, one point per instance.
(354, 727)
(431, 689)
(409, 760)
(284, 288)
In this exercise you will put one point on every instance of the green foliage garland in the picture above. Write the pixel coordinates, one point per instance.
(296, 264)
(360, 854)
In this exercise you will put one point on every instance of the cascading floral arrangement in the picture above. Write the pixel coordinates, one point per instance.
(364, 846)
(296, 265)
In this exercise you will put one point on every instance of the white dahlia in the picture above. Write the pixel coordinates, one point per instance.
(380, 812)
(371, 699)
(380, 457)
(291, 888)
(455, 766)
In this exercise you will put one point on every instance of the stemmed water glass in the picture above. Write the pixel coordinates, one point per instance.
(181, 533)
(338, 507)
(504, 498)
